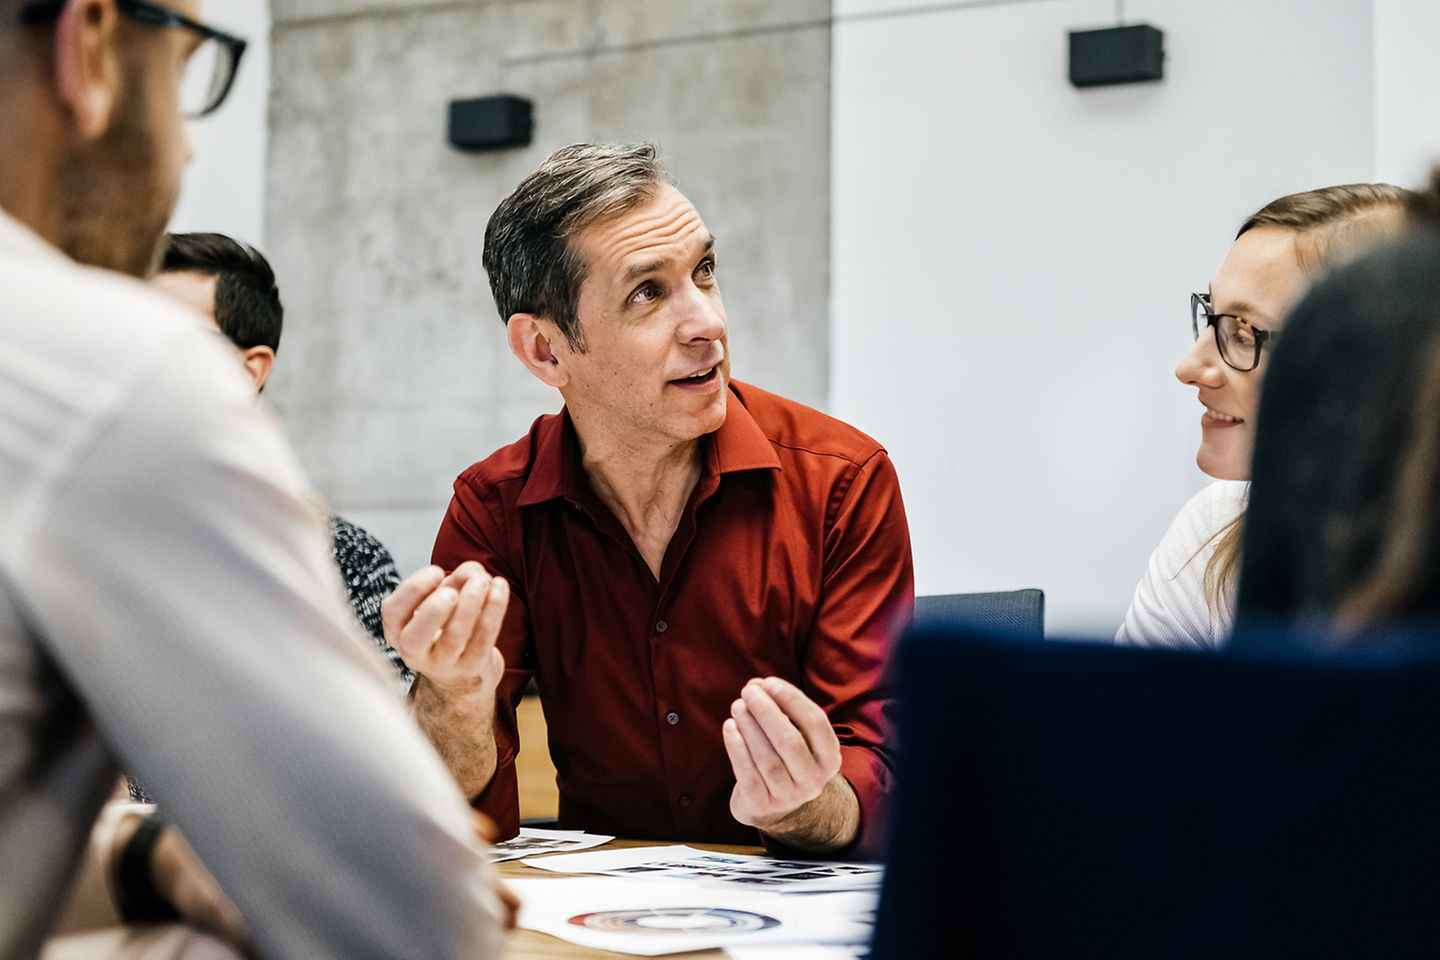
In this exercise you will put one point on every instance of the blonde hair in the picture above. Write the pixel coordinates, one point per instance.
(1331, 225)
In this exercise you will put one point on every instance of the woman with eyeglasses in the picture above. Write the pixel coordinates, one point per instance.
(1187, 596)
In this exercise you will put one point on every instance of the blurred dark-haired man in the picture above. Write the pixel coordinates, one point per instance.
(232, 287)
(166, 595)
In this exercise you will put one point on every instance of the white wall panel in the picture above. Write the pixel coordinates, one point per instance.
(1012, 260)
(224, 187)
(1407, 80)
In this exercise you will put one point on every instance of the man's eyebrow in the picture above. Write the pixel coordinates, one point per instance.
(646, 267)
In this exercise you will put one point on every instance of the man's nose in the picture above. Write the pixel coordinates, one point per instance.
(704, 316)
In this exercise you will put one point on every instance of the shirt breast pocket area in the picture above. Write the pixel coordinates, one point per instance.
(753, 629)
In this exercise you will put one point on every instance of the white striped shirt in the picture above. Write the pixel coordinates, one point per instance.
(168, 600)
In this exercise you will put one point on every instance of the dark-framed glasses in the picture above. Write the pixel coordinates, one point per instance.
(210, 71)
(1238, 341)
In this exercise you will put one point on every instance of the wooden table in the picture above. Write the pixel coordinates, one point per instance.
(530, 945)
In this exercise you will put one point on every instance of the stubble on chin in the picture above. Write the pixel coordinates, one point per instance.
(116, 205)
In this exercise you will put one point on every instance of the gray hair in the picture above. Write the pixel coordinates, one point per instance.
(528, 242)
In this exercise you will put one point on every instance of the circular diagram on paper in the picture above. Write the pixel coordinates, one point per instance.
(676, 921)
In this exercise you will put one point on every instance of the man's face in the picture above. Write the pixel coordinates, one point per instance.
(121, 188)
(656, 362)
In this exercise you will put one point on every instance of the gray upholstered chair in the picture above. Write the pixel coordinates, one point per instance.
(1015, 611)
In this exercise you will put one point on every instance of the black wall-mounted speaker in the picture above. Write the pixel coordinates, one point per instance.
(491, 123)
(1100, 58)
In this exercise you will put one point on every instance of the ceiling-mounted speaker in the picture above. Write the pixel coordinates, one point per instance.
(1100, 58)
(491, 123)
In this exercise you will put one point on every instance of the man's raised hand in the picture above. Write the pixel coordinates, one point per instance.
(445, 627)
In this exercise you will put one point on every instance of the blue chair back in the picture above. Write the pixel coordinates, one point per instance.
(1080, 799)
(1019, 612)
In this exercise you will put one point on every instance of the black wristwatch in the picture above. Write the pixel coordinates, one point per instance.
(135, 893)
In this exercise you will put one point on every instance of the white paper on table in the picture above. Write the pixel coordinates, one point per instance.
(800, 951)
(649, 919)
(534, 842)
(722, 869)
(611, 859)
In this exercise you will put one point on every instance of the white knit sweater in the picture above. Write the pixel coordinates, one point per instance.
(1171, 607)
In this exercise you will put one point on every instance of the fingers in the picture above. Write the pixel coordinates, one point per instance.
(416, 637)
(768, 762)
(454, 637)
(462, 574)
(746, 775)
(474, 657)
(446, 626)
(492, 616)
(807, 716)
(779, 730)
(400, 606)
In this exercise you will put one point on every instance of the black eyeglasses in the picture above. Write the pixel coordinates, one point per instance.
(210, 72)
(1238, 341)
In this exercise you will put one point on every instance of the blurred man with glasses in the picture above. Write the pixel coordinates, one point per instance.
(166, 594)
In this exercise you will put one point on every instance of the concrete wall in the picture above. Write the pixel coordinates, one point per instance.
(394, 374)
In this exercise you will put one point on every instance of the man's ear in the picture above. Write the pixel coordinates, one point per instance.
(87, 65)
(258, 363)
(532, 339)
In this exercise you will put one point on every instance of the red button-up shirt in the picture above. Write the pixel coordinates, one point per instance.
(792, 559)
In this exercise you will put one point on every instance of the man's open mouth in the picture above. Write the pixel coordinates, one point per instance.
(700, 379)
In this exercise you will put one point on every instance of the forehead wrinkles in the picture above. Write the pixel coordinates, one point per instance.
(673, 227)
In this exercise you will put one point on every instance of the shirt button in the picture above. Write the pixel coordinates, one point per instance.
(684, 799)
(672, 718)
(661, 626)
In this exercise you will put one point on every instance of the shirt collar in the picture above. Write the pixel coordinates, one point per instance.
(556, 472)
(19, 241)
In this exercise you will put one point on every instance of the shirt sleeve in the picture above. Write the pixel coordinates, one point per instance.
(1172, 606)
(180, 577)
(470, 532)
(868, 591)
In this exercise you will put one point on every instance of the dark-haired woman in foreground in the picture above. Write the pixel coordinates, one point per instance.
(1344, 528)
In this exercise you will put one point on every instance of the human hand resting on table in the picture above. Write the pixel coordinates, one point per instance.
(445, 629)
(786, 759)
(182, 879)
(178, 878)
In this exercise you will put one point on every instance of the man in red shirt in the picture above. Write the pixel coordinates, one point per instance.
(701, 576)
